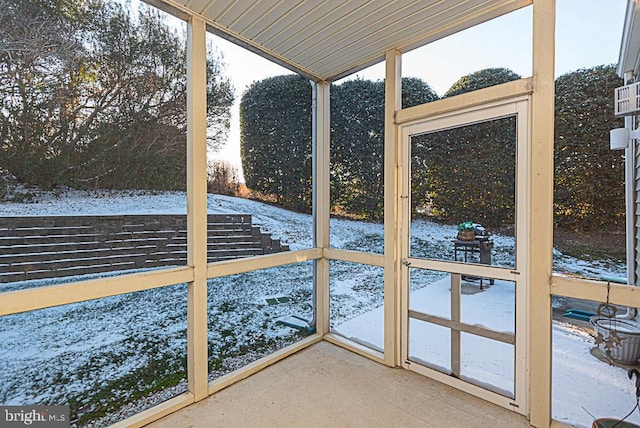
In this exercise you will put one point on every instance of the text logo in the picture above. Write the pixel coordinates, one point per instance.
(34, 416)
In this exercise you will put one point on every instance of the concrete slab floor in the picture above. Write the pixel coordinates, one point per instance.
(327, 386)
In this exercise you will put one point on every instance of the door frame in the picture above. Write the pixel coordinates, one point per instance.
(520, 108)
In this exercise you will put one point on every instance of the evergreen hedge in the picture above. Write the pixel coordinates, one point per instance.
(275, 140)
(460, 174)
(589, 177)
(468, 173)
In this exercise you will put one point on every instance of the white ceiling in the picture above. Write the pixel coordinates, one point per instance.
(329, 39)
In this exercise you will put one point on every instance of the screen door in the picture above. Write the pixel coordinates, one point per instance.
(463, 263)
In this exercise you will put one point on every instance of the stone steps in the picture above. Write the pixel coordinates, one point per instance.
(56, 246)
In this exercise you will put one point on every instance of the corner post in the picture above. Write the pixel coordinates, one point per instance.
(321, 205)
(197, 370)
(392, 103)
(540, 216)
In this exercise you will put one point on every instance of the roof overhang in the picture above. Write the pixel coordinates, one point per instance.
(629, 59)
(326, 40)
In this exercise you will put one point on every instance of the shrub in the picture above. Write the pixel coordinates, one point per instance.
(222, 178)
(468, 173)
(275, 121)
(589, 178)
(275, 139)
(357, 143)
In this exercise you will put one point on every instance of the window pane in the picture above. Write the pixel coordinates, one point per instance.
(491, 303)
(483, 48)
(275, 146)
(440, 302)
(103, 94)
(357, 303)
(430, 294)
(357, 159)
(589, 178)
(430, 345)
(590, 365)
(107, 359)
(488, 363)
(254, 314)
(462, 179)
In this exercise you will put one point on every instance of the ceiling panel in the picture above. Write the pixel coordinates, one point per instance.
(340, 16)
(237, 11)
(368, 35)
(198, 5)
(254, 15)
(346, 34)
(273, 29)
(385, 38)
(328, 39)
(216, 9)
(271, 19)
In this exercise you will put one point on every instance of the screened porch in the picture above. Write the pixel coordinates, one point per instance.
(324, 374)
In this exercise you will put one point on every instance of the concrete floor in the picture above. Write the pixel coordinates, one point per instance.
(327, 386)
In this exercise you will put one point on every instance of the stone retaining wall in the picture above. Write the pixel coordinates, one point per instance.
(57, 246)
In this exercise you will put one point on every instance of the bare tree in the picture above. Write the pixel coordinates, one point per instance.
(98, 98)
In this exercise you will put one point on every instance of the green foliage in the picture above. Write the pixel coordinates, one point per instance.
(480, 80)
(275, 139)
(275, 127)
(460, 174)
(357, 150)
(357, 143)
(415, 92)
(102, 101)
(4, 188)
(589, 177)
(467, 173)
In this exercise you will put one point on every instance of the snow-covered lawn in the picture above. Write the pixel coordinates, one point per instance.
(107, 354)
(582, 384)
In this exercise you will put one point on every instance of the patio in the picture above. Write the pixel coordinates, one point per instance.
(325, 385)
(314, 382)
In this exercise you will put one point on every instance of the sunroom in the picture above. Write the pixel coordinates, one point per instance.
(431, 335)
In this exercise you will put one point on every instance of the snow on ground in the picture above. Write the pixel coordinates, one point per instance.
(582, 384)
(66, 352)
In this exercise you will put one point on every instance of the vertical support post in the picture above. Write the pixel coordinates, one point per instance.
(630, 195)
(540, 213)
(321, 208)
(456, 291)
(392, 241)
(197, 208)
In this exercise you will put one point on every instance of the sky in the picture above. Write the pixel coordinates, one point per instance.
(588, 33)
